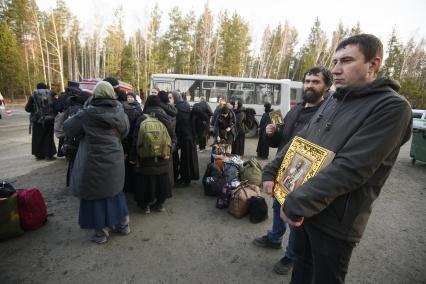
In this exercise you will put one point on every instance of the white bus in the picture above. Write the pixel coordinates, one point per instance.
(282, 94)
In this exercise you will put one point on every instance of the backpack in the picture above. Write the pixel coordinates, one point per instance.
(250, 117)
(6, 189)
(70, 145)
(252, 172)
(32, 209)
(72, 105)
(153, 139)
(44, 107)
(257, 209)
(213, 180)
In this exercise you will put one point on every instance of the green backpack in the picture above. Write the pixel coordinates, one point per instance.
(153, 139)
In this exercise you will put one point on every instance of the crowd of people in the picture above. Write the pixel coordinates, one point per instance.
(364, 122)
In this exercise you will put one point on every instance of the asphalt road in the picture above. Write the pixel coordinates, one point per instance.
(193, 242)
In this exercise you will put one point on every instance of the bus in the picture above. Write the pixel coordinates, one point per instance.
(253, 92)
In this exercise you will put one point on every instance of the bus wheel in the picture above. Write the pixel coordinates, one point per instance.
(252, 132)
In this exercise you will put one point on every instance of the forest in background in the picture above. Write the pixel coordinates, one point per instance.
(51, 46)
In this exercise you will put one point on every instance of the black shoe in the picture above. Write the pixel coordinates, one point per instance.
(51, 158)
(284, 266)
(263, 241)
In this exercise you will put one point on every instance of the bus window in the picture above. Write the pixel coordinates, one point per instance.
(295, 96)
(188, 88)
(163, 86)
(277, 94)
(214, 90)
(243, 91)
(264, 93)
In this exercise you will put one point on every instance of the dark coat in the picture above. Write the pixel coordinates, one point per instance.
(239, 140)
(42, 143)
(263, 145)
(183, 121)
(220, 127)
(98, 170)
(133, 112)
(365, 128)
(294, 121)
(150, 166)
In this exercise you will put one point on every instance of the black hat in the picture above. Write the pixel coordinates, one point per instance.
(73, 84)
(41, 86)
(114, 82)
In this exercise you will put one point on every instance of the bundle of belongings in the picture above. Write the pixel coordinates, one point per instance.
(235, 183)
(20, 210)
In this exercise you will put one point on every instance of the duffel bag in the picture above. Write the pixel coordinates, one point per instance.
(238, 205)
(10, 225)
(252, 172)
(32, 209)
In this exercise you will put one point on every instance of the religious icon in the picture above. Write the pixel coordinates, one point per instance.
(276, 117)
(302, 161)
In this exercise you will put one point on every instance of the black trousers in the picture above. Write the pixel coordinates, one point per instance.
(320, 258)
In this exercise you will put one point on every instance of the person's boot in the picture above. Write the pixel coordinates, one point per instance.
(263, 241)
(284, 266)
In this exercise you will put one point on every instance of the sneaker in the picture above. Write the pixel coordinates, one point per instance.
(99, 237)
(263, 241)
(284, 266)
(147, 210)
(122, 230)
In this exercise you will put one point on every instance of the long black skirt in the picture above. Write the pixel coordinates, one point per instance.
(238, 145)
(42, 143)
(152, 189)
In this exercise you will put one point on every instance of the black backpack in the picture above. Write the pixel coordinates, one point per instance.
(70, 146)
(213, 180)
(44, 113)
(250, 117)
(257, 209)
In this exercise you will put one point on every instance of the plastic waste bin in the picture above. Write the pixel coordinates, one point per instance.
(418, 145)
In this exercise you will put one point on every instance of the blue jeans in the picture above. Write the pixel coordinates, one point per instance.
(278, 229)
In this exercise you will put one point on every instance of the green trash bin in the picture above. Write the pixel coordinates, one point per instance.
(418, 145)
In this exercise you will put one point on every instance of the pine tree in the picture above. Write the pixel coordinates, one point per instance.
(11, 67)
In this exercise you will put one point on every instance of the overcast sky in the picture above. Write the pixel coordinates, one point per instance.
(375, 16)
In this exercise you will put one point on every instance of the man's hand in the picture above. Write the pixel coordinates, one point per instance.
(228, 129)
(268, 186)
(270, 129)
(288, 220)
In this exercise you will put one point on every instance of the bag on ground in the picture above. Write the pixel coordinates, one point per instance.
(238, 204)
(252, 172)
(257, 209)
(9, 218)
(153, 139)
(213, 180)
(222, 201)
(32, 209)
(6, 189)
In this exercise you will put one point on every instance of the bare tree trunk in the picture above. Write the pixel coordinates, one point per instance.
(59, 53)
(39, 39)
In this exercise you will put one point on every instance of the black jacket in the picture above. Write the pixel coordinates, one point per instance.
(365, 128)
(294, 121)
(183, 121)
